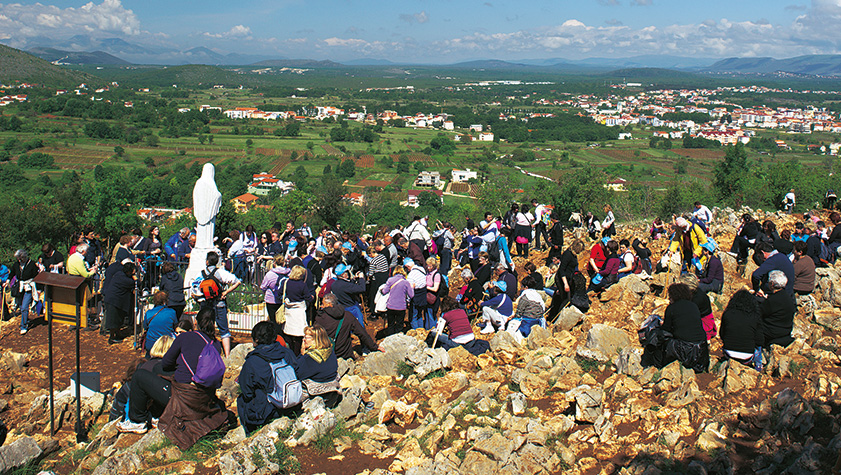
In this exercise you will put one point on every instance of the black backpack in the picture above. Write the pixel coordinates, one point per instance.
(439, 242)
(493, 250)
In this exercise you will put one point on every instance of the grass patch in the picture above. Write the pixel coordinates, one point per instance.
(438, 373)
(283, 456)
(404, 369)
(257, 458)
(160, 445)
(588, 365)
(32, 468)
(513, 387)
(795, 369)
(327, 442)
(204, 447)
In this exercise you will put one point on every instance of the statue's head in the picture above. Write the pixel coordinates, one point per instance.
(208, 171)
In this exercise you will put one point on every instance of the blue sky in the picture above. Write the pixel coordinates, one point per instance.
(440, 31)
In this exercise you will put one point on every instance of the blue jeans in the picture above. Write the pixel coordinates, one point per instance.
(23, 302)
(239, 267)
(420, 317)
(221, 308)
(357, 312)
(446, 256)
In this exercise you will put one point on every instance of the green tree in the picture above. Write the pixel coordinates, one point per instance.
(582, 190)
(149, 162)
(328, 199)
(429, 199)
(731, 173)
(119, 151)
(347, 169)
(152, 140)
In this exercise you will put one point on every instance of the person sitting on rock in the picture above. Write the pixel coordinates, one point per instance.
(456, 322)
(626, 255)
(711, 278)
(773, 260)
(470, 295)
(804, 270)
(777, 311)
(120, 409)
(318, 367)
(745, 238)
(598, 254)
(609, 273)
(681, 335)
(498, 310)
(530, 309)
(341, 325)
(741, 330)
(255, 378)
(702, 301)
(502, 273)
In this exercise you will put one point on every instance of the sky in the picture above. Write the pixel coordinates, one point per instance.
(436, 31)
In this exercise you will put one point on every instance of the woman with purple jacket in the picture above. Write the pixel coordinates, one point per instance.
(399, 291)
(271, 285)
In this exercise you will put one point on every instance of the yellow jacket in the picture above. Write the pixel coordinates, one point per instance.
(697, 236)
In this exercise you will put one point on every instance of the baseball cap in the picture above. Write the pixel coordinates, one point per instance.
(408, 261)
(341, 269)
(501, 285)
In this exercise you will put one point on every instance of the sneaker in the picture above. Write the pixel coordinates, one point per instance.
(488, 329)
(23, 331)
(129, 426)
(154, 422)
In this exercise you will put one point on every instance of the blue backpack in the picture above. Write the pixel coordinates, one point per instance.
(287, 389)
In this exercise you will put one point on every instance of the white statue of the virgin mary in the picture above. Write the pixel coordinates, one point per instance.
(206, 203)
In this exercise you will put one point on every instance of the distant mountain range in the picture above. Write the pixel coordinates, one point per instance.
(815, 64)
(75, 57)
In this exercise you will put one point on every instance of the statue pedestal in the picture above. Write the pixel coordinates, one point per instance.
(198, 263)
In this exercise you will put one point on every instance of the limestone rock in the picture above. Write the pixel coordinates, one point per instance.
(399, 411)
(350, 405)
(11, 361)
(629, 361)
(588, 403)
(538, 337)
(712, 437)
(568, 318)
(497, 447)
(462, 359)
(477, 463)
(503, 340)
(797, 414)
(518, 403)
(607, 339)
(738, 376)
(829, 318)
(396, 347)
(126, 462)
(240, 460)
(314, 422)
(236, 359)
(18, 453)
(425, 360)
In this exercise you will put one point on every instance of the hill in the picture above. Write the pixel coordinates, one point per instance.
(815, 64)
(298, 63)
(76, 57)
(17, 65)
(193, 75)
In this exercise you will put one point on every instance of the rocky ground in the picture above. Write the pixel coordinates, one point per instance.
(570, 398)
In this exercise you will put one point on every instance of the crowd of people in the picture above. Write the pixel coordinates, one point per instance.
(319, 290)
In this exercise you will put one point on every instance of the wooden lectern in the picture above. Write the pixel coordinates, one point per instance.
(65, 299)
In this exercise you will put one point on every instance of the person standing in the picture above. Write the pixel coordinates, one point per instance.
(118, 295)
(541, 219)
(556, 239)
(228, 282)
(400, 292)
(298, 298)
(51, 260)
(417, 278)
(522, 230)
(272, 285)
(25, 270)
(789, 201)
(173, 284)
(609, 223)
(347, 290)
(703, 214)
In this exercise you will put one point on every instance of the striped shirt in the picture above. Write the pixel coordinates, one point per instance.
(378, 264)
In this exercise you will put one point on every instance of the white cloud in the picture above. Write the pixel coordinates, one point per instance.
(23, 21)
(420, 17)
(641, 3)
(239, 31)
(609, 3)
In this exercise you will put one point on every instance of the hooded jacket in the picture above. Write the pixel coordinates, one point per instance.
(173, 284)
(255, 382)
(329, 318)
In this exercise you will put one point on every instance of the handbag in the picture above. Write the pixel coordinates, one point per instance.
(381, 300)
(142, 344)
(280, 313)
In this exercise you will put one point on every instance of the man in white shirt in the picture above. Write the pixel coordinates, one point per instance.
(228, 282)
(539, 224)
(418, 234)
(703, 214)
(789, 201)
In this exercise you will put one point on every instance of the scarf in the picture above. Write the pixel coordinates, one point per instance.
(319, 355)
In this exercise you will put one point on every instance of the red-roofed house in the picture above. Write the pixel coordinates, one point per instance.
(412, 196)
(243, 203)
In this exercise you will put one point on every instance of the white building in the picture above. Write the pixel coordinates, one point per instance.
(428, 179)
(462, 176)
(476, 127)
(263, 183)
(486, 137)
